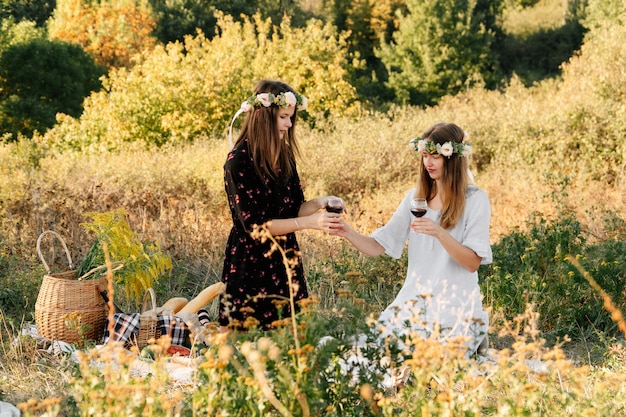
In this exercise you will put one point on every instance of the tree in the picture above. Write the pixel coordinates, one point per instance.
(111, 31)
(441, 47)
(12, 33)
(179, 18)
(37, 11)
(366, 23)
(190, 90)
(41, 78)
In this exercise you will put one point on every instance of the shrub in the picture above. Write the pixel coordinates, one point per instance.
(532, 267)
(183, 92)
(39, 79)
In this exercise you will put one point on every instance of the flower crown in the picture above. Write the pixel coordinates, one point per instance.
(447, 149)
(283, 100)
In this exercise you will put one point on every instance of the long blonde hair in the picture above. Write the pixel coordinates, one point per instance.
(273, 157)
(454, 179)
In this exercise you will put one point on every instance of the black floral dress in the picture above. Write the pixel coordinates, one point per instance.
(253, 281)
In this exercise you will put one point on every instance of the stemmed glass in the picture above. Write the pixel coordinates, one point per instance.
(419, 207)
(334, 205)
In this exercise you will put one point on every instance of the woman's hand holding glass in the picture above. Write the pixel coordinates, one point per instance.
(419, 207)
(419, 223)
(334, 207)
(334, 204)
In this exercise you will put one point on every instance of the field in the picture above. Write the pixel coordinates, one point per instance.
(552, 159)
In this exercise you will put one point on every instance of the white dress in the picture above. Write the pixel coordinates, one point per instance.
(438, 293)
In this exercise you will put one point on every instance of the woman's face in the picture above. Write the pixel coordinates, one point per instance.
(433, 164)
(284, 120)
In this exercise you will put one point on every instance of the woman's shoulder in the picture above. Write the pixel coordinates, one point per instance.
(473, 193)
(239, 153)
(473, 189)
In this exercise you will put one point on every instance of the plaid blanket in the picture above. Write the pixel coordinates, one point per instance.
(125, 326)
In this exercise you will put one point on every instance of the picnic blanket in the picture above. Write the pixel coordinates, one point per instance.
(125, 326)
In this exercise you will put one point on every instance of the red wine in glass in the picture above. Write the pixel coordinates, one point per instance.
(418, 212)
(334, 205)
(419, 207)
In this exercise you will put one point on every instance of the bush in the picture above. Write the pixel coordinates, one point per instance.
(184, 92)
(532, 267)
(39, 79)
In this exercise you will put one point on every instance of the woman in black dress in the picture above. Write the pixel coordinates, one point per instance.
(263, 187)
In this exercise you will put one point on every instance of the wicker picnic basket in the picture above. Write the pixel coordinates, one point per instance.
(149, 330)
(62, 294)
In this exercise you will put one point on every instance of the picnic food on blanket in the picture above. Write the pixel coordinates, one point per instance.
(174, 304)
(202, 299)
(178, 350)
(173, 350)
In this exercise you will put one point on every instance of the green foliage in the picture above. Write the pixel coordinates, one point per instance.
(310, 380)
(36, 11)
(179, 18)
(12, 33)
(367, 23)
(171, 98)
(450, 51)
(39, 79)
(531, 267)
(18, 290)
(11, 300)
(524, 3)
(540, 54)
(142, 262)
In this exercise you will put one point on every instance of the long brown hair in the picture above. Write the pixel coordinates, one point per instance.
(272, 156)
(454, 179)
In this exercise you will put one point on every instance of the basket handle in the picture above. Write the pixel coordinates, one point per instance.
(116, 267)
(151, 311)
(67, 252)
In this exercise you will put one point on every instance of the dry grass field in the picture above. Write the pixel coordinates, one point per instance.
(552, 159)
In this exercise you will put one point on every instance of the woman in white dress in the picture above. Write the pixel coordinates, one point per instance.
(440, 296)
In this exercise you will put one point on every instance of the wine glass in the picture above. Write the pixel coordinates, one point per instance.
(334, 205)
(419, 207)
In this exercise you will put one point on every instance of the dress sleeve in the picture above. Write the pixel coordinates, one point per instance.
(477, 218)
(394, 234)
(244, 190)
